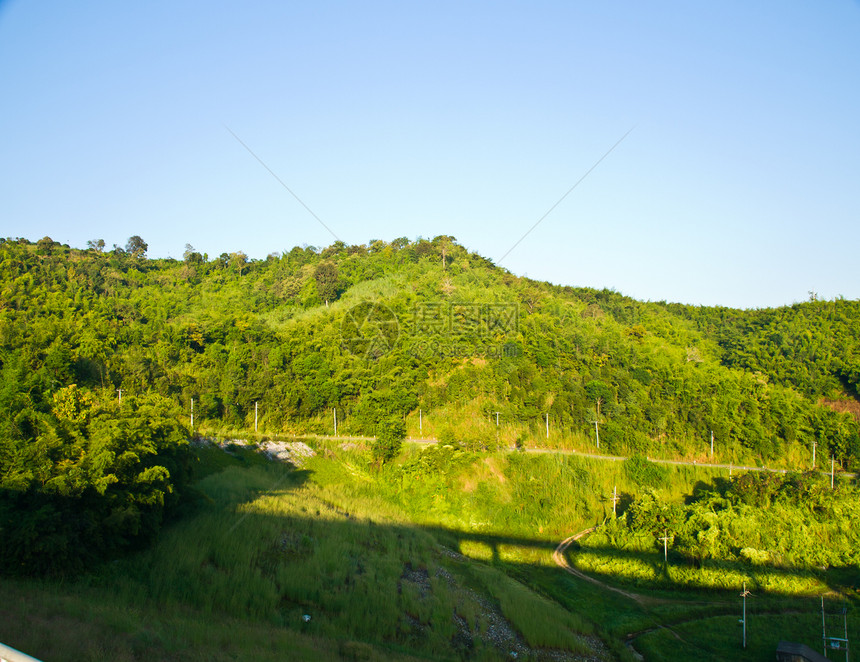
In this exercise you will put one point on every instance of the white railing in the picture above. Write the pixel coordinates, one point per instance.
(8, 654)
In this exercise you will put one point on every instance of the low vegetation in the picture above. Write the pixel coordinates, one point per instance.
(788, 534)
(443, 553)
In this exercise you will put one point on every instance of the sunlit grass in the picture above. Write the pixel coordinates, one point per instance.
(370, 554)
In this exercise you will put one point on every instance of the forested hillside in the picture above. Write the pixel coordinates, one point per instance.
(102, 353)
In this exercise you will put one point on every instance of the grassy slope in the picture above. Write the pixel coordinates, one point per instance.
(198, 594)
(359, 550)
(233, 581)
(531, 499)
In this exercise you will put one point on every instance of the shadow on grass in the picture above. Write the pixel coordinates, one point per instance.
(265, 544)
(661, 569)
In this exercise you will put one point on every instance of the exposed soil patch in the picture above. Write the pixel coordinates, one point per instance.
(846, 405)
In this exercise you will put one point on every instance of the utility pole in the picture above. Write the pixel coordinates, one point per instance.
(119, 392)
(712, 444)
(834, 643)
(420, 425)
(255, 416)
(845, 624)
(334, 411)
(813, 454)
(497, 418)
(744, 619)
(192, 413)
(614, 499)
(597, 434)
(665, 540)
(832, 470)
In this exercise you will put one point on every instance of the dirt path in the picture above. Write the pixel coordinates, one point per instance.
(424, 441)
(561, 562)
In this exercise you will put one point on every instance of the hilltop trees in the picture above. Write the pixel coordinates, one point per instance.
(136, 247)
(237, 331)
(191, 256)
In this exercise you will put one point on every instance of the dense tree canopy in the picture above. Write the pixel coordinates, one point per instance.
(404, 329)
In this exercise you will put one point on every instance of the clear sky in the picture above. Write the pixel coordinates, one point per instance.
(739, 184)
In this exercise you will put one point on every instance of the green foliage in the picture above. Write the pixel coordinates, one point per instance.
(390, 434)
(232, 333)
(87, 479)
(779, 532)
(644, 473)
(136, 247)
(809, 347)
(410, 560)
(598, 390)
(271, 545)
(435, 461)
(328, 283)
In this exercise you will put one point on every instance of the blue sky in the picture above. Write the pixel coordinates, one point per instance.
(739, 184)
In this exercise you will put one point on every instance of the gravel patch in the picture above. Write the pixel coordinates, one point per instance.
(294, 452)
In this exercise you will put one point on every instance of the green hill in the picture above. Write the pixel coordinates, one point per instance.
(387, 329)
(104, 354)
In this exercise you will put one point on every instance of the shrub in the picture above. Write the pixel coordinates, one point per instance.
(390, 433)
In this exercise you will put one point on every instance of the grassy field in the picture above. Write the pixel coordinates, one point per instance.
(719, 638)
(276, 563)
(443, 554)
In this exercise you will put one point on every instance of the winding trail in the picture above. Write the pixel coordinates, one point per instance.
(642, 600)
(561, 562)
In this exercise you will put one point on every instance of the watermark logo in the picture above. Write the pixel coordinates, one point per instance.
(437, 329)
(370, 329)
(481, 320)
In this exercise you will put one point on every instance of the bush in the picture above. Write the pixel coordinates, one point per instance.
(109, 475)
(390, 433)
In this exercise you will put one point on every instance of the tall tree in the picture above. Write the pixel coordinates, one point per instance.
(191, 256)
(136, 246)
(328, 282)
